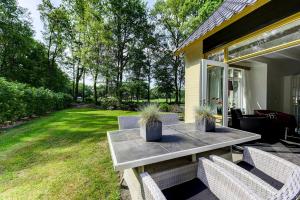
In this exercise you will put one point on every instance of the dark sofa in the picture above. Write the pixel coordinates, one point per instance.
(271, 125)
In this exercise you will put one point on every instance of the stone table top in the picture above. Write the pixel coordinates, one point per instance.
(129, 150)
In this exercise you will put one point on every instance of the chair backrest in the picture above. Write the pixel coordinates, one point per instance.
(224, 185)
(291, 189)
(129, 122)
(151, 191)
(236, 114)
(169, 118)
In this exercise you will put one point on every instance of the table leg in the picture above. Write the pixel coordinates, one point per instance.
(194, 158)
(141, 169)
(121, 178)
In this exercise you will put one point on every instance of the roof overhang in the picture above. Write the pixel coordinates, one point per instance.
(193, 40)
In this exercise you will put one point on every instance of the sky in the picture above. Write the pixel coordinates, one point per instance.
(37, 24)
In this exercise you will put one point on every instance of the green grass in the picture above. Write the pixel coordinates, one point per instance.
(62, 156)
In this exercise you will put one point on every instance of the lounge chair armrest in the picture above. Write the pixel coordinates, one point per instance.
(270, 164)
(151, 190)
(221, 183)
(257, 185)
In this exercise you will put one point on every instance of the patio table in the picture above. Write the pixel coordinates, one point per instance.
(129, 150)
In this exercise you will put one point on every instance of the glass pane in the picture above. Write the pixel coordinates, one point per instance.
(284, 34)
(215, 91)
(218, 56)
(235, 88)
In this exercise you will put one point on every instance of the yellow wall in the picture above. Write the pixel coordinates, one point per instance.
(193, 57)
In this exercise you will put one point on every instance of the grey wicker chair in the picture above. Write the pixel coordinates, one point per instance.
(269, 176)
(130, 122)
(221, 184)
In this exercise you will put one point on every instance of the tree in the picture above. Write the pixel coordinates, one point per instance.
(128, 21)
(176, 19)
(56, 24)
(22, 58)
(96, 42)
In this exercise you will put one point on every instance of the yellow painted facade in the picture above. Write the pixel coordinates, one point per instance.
(192, 80)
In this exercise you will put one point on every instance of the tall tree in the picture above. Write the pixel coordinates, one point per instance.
(22, 58)
(128, 20)
(56, 25)
(175, 20)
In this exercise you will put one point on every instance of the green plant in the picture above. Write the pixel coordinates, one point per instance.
(176, 108)
(110, 103)
(149, 114)
(204, 112)
(19, 100)
(164, 107)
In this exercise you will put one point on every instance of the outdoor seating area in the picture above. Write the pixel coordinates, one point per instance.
(252, 178)
(190, 164)
(271, 125)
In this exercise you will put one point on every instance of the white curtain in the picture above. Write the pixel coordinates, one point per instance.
(246, 92)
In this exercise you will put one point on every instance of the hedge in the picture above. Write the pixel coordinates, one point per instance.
(19, 100)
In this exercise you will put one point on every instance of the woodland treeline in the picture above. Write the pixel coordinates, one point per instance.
(125, 46)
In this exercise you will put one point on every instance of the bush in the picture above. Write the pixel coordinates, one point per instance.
(89, 99)
(19, 100)
(164, 107)
(176, 109)
(109, 103)
(132, 106)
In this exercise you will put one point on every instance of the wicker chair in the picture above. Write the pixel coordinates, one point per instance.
(130, 122)
(267, 175)
(221, 184)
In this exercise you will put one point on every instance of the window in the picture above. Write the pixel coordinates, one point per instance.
(284, 34)
(235, 93)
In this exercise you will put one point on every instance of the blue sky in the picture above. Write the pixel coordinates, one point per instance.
(32, 6)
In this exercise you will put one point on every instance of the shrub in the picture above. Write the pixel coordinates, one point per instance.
(89, 99)
(164, 107)
(132, 106)
(110, 103)
(19, 100)
(176, 109)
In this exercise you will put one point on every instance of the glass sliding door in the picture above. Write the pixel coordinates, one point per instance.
(214, 90)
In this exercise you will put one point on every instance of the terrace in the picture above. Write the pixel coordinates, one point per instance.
(172, 164)
(244, 63)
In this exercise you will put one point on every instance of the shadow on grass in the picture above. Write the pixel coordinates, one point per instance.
(59, 137)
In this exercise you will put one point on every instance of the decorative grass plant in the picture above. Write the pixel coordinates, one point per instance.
(151, 126)
(204, 119)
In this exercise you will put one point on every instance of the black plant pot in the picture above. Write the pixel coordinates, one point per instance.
(151, 132)
(205, 125)
(220, 111)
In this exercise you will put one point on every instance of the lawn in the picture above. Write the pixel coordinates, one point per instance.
(62, 156)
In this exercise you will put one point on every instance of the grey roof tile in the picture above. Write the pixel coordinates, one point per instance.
(226, 10)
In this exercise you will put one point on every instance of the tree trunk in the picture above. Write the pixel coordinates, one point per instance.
(95, 88)
(73, 84)
(78, 77)
(83, 86)
(176, 78)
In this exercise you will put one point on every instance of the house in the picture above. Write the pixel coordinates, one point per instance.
(245, 55)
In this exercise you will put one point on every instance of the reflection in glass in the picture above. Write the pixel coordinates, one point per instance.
(284, 34)
(215, 91)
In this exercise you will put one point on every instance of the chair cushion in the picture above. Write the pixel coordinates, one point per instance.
(193, 189)
(273, 182)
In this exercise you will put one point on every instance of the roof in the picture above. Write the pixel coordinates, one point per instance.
(226, 11)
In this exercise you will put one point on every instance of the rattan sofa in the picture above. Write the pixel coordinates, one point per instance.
(261, 174)
(217, 182)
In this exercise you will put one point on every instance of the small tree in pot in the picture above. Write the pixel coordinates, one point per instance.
(151, 126)
(204, 119)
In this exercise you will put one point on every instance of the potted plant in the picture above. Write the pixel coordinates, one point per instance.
(204, 119)
(151, 126)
